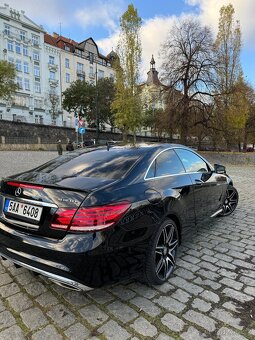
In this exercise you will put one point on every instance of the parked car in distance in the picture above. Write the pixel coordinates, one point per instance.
(99, 215)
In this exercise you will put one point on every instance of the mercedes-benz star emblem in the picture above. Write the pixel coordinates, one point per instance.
(18, 191)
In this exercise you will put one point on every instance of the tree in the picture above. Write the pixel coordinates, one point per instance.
(126, 105)
(79, 97)
(228, 73)
(7, 79)
(188, 66)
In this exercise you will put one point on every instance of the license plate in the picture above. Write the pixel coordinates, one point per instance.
(22, 209)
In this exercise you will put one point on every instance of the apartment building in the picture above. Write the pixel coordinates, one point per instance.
(46, 65)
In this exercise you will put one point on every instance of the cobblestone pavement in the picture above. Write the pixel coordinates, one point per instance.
(210, 296)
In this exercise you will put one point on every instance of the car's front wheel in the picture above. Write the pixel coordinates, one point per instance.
(162, 253)
(230, 202)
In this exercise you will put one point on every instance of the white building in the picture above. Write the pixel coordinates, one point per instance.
(46, 65)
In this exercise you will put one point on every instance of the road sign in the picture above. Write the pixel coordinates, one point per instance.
(82, 130)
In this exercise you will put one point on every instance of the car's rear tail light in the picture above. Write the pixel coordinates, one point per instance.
(62, 218)
(89, 218)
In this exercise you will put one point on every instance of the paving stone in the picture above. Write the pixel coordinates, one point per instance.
(201, 320)
(244, 264)
(189, 287)
(143, 290)
(184, 264)
(191, 259)
(77, 332)
(214, 285)
(231, 306)
(165, 287)
(163, 336)
(61, 315)
(225, 333)
(2, 307)
(26, 278)
(35, 288)
(184, 273)
(227, 273)
(226, 265)
(193, 334)
(122, 312)
(250, 290)
(208, 274)
(248, 281)
(49, 333)
(78, 298)
(93, 315)
(144, 327)
(170, 304)
(146, 305)
(9, 290)
(172, 322)
(226, 317)
(232, 283)
(112, 331)
(224, 257)
(181, 295)
(33, 318)
(237, 295)
(12, 333)
(20, 302)
(101, 296)
(47, 299)
(209, 258)
(6, 319)
(123, 293)
(201, 305)
(5, 279)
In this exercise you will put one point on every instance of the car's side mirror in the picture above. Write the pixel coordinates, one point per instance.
(219, 169)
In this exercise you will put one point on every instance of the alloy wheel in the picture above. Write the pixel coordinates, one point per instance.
(165, 252)
(230, 202)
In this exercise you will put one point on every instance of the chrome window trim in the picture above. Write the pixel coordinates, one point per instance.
(184, 173)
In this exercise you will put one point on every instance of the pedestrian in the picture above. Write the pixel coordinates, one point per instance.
(59, 147)
(69, 146)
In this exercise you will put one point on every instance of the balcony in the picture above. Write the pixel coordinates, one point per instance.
(52, 67)
(53, 82)
(17, 37)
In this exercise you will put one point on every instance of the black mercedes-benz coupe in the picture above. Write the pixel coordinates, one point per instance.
(96, 216)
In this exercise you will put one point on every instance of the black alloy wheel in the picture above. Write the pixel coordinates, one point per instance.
(230, 202)
(162, 255)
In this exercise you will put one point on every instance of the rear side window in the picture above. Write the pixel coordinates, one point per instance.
(113, 164)
(167, 163)
(191, 161)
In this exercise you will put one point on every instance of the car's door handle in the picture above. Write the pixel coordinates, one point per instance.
(199, 181)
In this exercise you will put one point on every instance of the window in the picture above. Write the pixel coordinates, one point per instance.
(10, 45)
(167, 163)
(191, 161)
(51, 60)
(11, 60)
(36, 55)
(67, 77)
(19, 82)
(22, 35)
(7, 29)
(25, 50)
(67, 63)
(35, 40)
(36, 71)
(79, 67)
(18, 65)
(26, 67)
(52, 75)
(111, 76)
(100, 74)
(26, 84)
(38, 103)
(91, 73)
(37, 87)
(67, 48)
(91, 57)
(18, 48)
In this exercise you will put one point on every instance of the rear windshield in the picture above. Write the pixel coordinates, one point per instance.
(112, 164)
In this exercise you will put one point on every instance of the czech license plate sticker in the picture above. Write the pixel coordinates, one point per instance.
(30, 211)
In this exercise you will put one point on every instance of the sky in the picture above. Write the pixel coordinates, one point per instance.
(99, 19)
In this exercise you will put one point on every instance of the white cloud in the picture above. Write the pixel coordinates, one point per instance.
(244, 12)
(100, 13)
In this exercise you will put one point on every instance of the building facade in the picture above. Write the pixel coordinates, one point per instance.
(46, 65)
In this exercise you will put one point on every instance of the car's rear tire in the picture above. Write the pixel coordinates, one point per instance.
(162, 253)
(230, 202)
